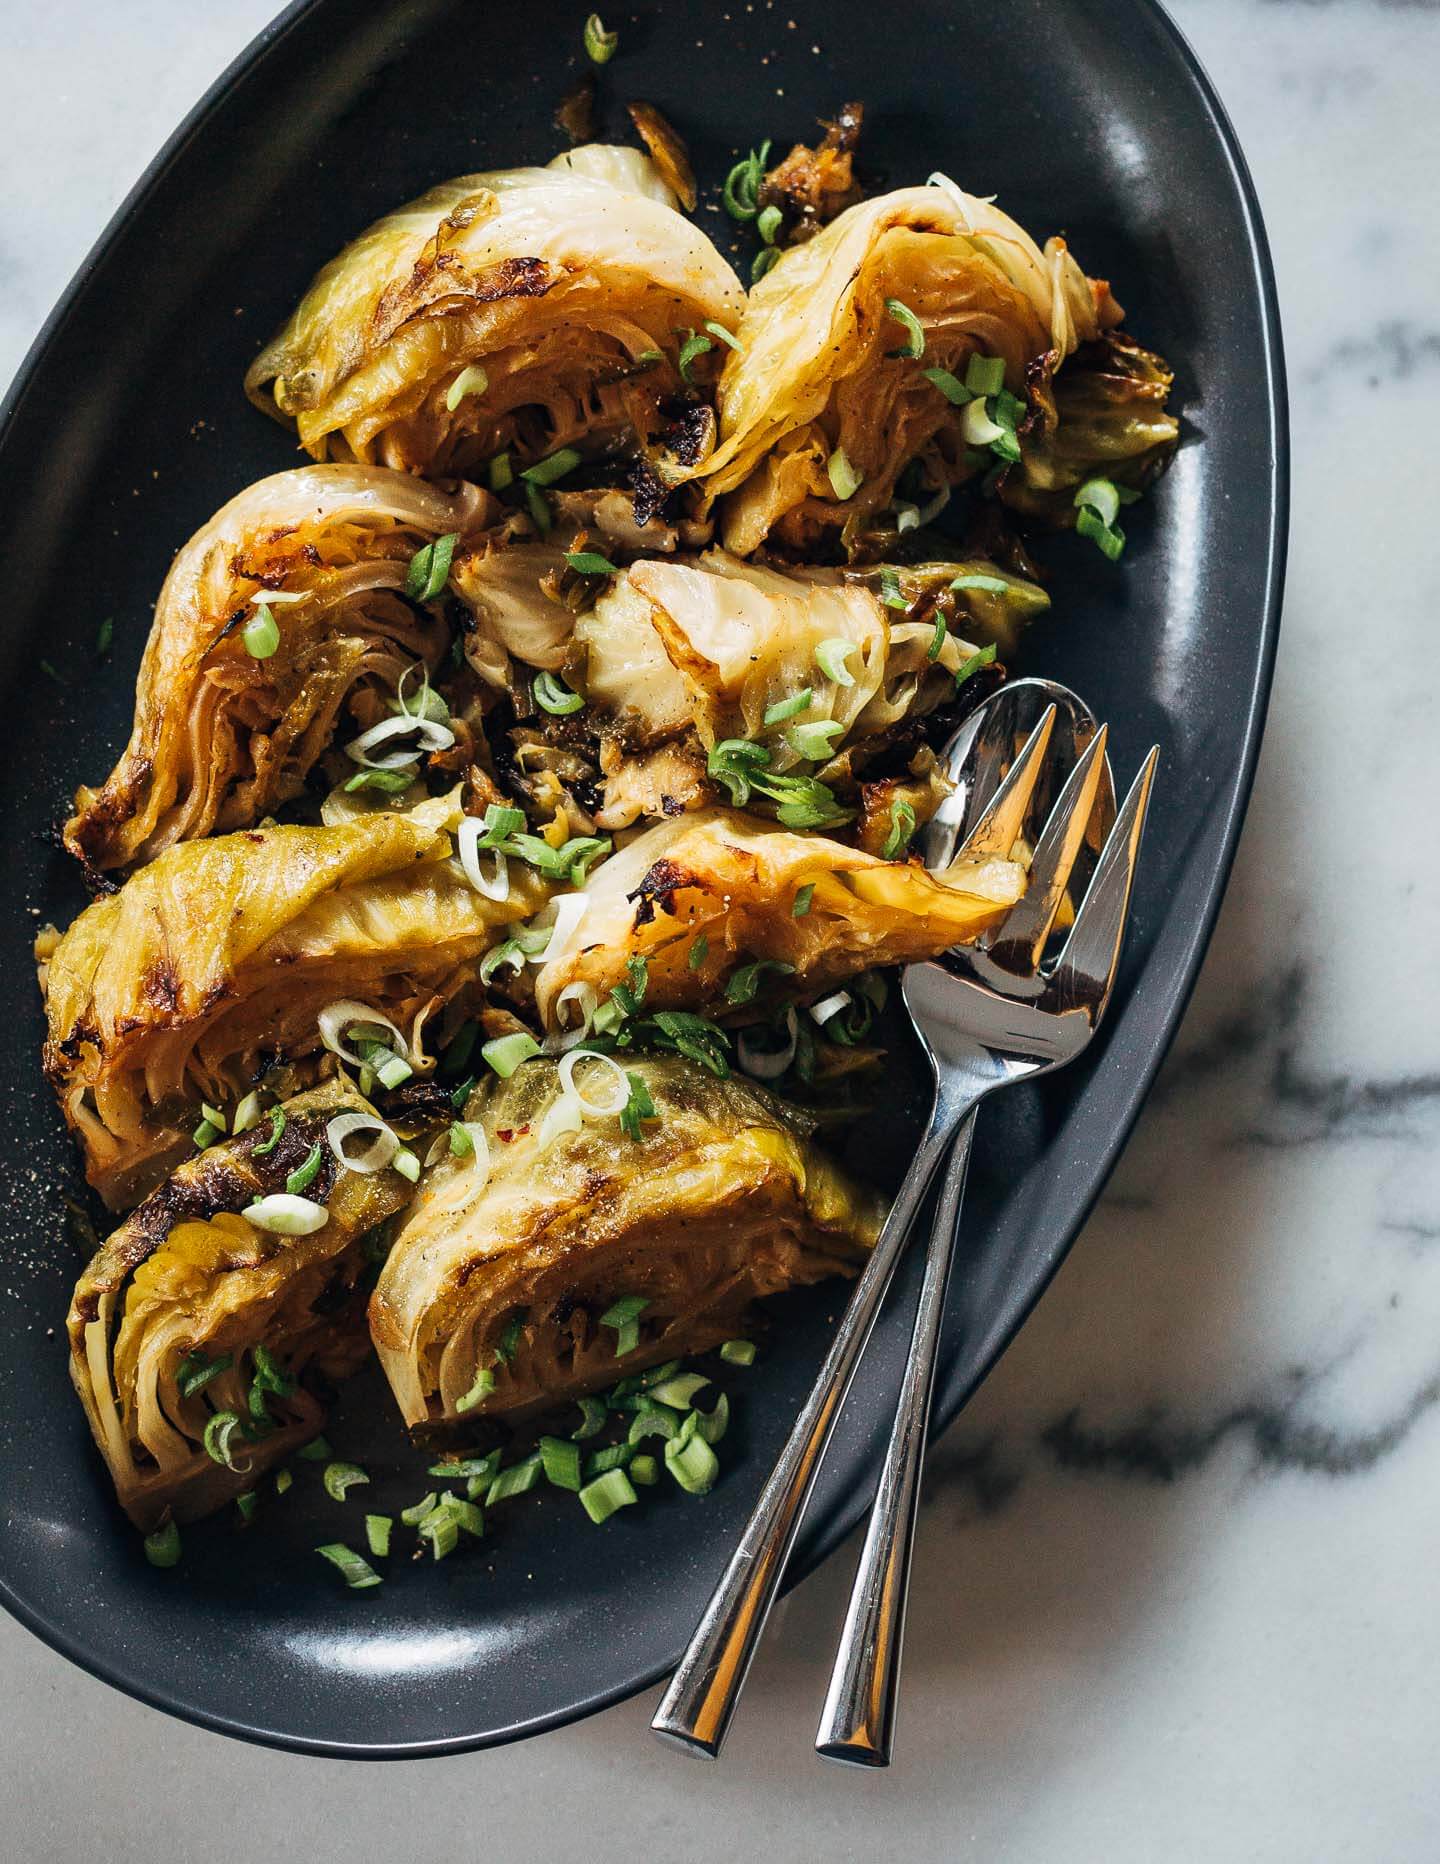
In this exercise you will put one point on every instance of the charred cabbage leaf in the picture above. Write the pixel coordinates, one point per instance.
(223, 737)
(508, 312)
(701, 896)
(189, 1311)
(509, 1274)
(817, 373)
(216, 959)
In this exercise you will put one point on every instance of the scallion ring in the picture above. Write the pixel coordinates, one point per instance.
(494, 886)
(592, 1108)
(830, 657)
(341, 1476)
(763, 1064)
(914, 347)
(505, 1053)
(261, 634)
(600, 46)
(283, 1214)
(787, 708)
(845, 480)
(552, 695)
(380, 1151)
(344, 1016)
(472, 380)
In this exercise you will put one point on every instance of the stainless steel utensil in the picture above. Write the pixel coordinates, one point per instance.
(979, 1034)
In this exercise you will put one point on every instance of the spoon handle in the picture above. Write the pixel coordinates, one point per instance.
(696, 1708)
(858, 1722)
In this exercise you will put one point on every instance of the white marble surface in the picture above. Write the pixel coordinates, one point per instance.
(1177, 1593)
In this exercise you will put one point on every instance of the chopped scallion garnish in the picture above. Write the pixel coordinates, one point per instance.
(590, 563)
(472, 380)
(692, 1462)
(606, 1493)
(162, 1548)
(304, 1175)
(196, 1371)
(787, 708)
(803, 896)
(561, 1462)
(377, 1534)
(914, 347)
(815, 740)
(768, 223)
(725, 336)
(644, 1470)
(740, 195)
(830, 657)
(480, 1390)
(500, 474)
(261, 634)
(695, 345)
(547, 471)
(698, 952)
(637, 1108)
(738, 1352)
(462, 1146)
(317, 1450)
(744, 983)
(762, 262)
(973, 665)
(993, 585)
(890, 592)
(902, 827)
(599, 45)
(356, 1572)
(247, 1504)
(430, 568)
(845, 480)
(277, 1126)
(985, 375)
(950, 386)
(624, 1316)
(505, 1053)
(592, 1419)
(552, 695)
(341, 1476)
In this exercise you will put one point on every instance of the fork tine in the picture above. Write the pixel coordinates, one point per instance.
(997, 831)
(1020, 938)
(1087, 967)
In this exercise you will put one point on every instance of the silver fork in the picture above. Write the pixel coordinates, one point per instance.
(981, 1031)
(857, 1723)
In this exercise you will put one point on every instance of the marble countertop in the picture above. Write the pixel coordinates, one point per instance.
(1176, 1577)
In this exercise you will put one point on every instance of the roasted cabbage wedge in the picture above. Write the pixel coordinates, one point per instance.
(213, 963)
(819, 414)
(187, 1285)
(732, 881)
(513, 312)
(493, 1296)
(221, 736)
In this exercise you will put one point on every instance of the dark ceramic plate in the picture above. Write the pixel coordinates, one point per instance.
(127, 428)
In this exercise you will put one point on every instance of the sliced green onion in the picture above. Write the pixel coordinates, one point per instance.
(624, 1316)
(693, 1464)
(767, 224)
(341, 1476)
(762, 262)
(505, 1053)
(787, 708)
(500, 474)
(471, 380)
(699, 951)
(539, 508)
(356, 1572)
(734, 762)
(247, 1114)
(599, 44)
(710, 1426)
(653, 1420)
(317, 1450)
(977, 426)
(205, 1135)
(480, 1390)
(1109, 538)
(212, 1114)
(637, 1108)
(592, 1419)
(994, 585)
(511, 953)
(518, 1479)
(679, 1391)
(695, 345)
(277, 1127)
(247, 1504)
(561, 1462)
(385, 782)
(985, 375)
(461, 1469)
(590, 563)
(417, 1511)
(407, 1164)
(740, 194)
(890, 591)
(605, 1494)
(803, 896)
(510, 1336)
(261, 634)
(804, 802)
(377, 1534)
(284, 1214)
(830, 657)
(950, 386)
(162, 1548)
(649, 356)
(738, 1352)
(104, 635)
(744, 983)
(547, 471)
(394, 1071)
(719, 330)
(553, 695)
(430, 568)
(914, 347)
(973, 665)
(462, 1146)
(304, 1175)
(644, 1470)
(814, 741)
(937, 640)
(218, 1432)
(284, 1481)
(1103, 498)
(196, 1371)
(845, 481)
(902, 827)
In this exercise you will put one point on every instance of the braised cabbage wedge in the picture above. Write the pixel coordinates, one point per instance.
(286, 609)
(196, 1337)
(504, 1289)
(827, 402)
(213, 963)
(706, 894)
(515, 312)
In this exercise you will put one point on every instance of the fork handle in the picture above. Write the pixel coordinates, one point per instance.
(858, 1722)
(695, 1710)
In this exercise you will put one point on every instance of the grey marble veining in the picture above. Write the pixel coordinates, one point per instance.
(1176, 1593)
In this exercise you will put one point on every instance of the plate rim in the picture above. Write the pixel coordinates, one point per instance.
(952, 1397)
